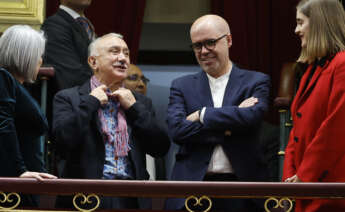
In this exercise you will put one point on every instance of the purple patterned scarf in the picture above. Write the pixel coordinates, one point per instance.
(112, 116)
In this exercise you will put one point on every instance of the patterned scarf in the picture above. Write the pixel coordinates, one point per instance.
(112, 116)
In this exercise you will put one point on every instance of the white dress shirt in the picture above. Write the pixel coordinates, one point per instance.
(219, 162)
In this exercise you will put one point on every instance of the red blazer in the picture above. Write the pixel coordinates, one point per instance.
(316, 148)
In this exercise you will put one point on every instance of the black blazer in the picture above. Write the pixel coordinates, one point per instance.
(77, 131)
(66, 50)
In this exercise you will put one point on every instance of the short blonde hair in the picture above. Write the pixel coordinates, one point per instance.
(326, 34)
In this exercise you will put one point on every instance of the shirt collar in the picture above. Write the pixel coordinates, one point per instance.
(71, 12)
(221, 78)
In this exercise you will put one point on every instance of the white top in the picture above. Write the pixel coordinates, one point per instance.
(219, 162)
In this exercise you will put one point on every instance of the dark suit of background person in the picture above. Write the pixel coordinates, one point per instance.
(233, 127)
(66, 49)
(77, 128)
(21, 120)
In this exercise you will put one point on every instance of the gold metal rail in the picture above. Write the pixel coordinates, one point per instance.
(90, 190)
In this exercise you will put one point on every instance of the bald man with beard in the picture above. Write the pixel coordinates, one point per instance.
(214, 117)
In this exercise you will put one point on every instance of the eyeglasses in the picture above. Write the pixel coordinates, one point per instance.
(135, 77)
(208, 44)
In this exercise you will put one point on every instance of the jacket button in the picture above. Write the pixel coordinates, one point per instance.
(227, 133)
(295, 139)
(299, 115)
(323, 175)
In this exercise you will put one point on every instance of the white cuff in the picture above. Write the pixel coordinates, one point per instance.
(202, 113)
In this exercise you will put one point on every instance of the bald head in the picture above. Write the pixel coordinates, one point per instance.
(211, 22)
(211, 40)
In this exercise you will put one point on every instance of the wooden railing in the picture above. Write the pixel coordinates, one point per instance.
(274, 193)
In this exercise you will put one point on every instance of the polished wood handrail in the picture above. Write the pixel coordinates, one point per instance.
(46, 72)
(174, 188)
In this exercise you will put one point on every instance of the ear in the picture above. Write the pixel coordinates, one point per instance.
(92, 62)
(229, 40)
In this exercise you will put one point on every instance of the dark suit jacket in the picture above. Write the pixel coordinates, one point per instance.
(21, 125)
(197, 141)
(77, 129)
(66, 50)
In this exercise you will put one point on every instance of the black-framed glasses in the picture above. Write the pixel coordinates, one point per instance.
(135, 77)
(208, 44)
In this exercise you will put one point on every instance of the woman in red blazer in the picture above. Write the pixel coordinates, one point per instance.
(316, 148)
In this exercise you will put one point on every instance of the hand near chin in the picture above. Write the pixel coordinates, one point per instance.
(37, 175)
(100, 94)
(125, 97)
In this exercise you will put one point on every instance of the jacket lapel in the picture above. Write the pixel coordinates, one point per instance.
(233, 86)
(304, 93)
(80, 34)
(78, 28)
(85, 89)
(203, 86)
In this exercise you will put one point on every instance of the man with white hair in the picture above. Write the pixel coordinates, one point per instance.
(104, 129)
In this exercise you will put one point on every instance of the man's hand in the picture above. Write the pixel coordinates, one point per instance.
(100, 94)
(125, 97)
(193, 116)
(293, 179)
(37, 175)
(249, 102)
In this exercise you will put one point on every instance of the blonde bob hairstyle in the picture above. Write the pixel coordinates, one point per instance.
(21, 49)
(326, 35)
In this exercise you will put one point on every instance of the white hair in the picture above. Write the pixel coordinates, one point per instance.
(21, 49)
(93, 47)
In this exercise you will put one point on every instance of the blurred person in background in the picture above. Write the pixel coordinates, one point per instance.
(136, 81)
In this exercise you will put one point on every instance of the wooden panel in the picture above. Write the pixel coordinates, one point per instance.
(177, 11)
(29, 12)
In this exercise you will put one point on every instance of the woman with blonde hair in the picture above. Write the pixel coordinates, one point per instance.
(21, 121)
(316, 148)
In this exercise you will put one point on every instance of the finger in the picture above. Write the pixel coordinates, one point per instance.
(38, 177)
(103, 87)
(289, 180)
(249, 99)
(46, 175)
(116, 92)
